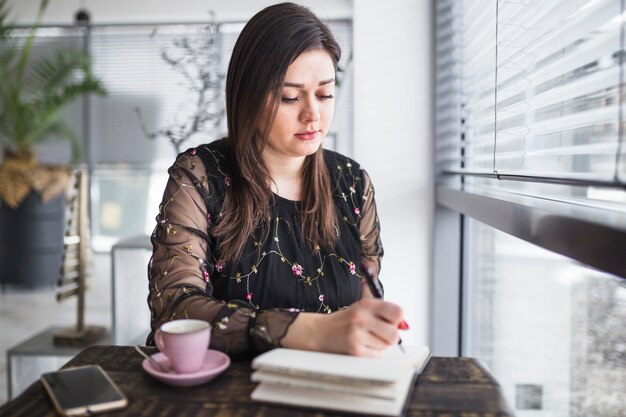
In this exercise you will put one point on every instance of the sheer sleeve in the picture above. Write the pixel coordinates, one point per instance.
(369, 229)
(181, 268)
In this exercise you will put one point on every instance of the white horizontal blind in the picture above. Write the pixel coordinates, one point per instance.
(447, 85)
(558, 88)
(541, 90)
(128, 59)
(465, 83)
(478, 51)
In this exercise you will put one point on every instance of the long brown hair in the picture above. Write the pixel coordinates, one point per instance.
(267, 45)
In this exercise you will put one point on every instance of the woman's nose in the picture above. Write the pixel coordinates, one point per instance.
(311, 111)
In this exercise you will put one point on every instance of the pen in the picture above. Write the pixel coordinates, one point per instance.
(377, 292)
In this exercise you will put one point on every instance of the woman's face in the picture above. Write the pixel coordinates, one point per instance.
(306, 108)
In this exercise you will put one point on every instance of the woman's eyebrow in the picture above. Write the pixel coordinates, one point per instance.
(297, 85)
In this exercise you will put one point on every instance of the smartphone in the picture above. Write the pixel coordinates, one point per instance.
(82, 391)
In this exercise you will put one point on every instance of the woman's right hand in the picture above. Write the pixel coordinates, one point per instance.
(365, 329)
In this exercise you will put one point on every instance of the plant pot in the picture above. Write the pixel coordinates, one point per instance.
(31, 241)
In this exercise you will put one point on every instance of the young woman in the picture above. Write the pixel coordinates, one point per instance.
(263, 233)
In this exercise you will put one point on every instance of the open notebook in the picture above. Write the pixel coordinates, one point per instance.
(339, 382)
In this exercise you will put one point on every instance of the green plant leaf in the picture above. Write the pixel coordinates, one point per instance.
(56, 127)
(57, 70)
(25, 52)
(32, 94)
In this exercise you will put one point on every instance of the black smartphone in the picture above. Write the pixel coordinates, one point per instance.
(82, 391)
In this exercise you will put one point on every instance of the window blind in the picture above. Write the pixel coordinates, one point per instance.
(128, 58)
(537, 95)
(447, 87)
(530, 119)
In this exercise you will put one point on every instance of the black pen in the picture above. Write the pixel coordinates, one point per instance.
(377, 292)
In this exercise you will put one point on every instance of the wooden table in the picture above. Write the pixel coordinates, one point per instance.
(447, 387)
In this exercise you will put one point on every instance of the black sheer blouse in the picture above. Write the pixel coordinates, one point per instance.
(252, 302)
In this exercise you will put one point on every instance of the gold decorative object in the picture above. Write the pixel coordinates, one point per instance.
(19, 176)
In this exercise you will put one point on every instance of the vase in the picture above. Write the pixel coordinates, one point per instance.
(31, 241)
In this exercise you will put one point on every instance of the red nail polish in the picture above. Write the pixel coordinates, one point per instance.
(403, 325)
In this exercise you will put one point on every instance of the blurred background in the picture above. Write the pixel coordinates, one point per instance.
(492, 130)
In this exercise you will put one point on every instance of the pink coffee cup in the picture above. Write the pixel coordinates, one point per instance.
(185, 343)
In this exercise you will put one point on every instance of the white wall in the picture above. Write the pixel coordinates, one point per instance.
(392, 137)
(392, 114)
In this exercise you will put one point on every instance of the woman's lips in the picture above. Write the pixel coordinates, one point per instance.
(309, 135)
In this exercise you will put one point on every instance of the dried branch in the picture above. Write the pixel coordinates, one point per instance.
(197, 59)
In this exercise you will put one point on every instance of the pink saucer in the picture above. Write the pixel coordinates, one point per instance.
(215, 362)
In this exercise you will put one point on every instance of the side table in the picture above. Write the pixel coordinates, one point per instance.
(29, 359)
(129, 295)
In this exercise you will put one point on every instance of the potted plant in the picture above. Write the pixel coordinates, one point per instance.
(32, 95)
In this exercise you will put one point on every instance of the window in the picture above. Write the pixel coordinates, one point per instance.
(550, 328)
(531, 193)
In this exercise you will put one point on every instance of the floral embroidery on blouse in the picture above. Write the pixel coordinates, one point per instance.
(252, 301)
